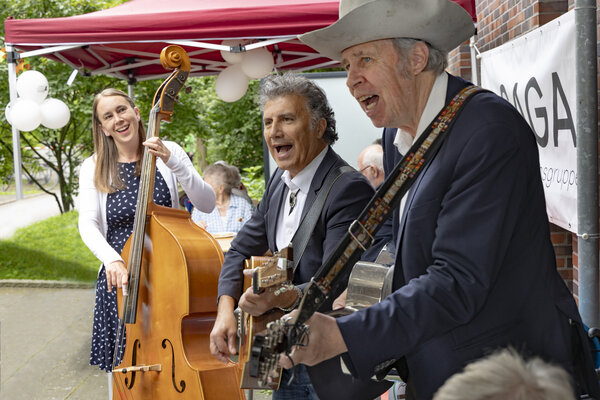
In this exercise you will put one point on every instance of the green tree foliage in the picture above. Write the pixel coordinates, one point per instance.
(227, 131)
(61, 150)
(233, 131)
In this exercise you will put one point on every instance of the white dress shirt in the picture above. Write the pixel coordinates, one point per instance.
(435, 103)
(288, 222)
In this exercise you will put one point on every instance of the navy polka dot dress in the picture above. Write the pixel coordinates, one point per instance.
(120, 213)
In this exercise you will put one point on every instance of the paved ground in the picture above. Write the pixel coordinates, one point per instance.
(45, 335)
(45, 327)
(45, 340)
(16, 214)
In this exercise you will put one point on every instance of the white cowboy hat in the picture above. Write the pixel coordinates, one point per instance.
(441, 23)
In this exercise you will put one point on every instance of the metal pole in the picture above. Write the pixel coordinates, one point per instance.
(586, 76)
(474, 74)
(12, 86)
(131, 81)
(130, 90)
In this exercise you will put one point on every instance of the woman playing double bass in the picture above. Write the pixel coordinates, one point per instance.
(108, 189)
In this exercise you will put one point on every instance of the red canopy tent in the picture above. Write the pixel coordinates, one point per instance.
(126, 40)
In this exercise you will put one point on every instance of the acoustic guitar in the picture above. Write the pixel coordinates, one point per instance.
(271, 273)
(369, 283)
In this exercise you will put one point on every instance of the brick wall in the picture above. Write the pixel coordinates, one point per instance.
(500, 21)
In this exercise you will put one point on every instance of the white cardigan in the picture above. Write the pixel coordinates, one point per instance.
(92, 203)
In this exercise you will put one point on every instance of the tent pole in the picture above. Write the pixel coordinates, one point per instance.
(130, 84)
(12, 86)
(474, 74)
(587, 158)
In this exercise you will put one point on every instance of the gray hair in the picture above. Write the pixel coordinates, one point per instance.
(506, 375)
(274, 86)
(222, 173)
(437, 62)
(373, 155)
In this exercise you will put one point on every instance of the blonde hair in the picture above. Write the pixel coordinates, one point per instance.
(106, 174)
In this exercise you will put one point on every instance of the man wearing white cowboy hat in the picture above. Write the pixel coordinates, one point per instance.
(475, 268)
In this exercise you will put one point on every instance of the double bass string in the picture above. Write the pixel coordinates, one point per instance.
(129, 302)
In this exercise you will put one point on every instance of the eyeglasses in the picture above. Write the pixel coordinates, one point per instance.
(368, 166)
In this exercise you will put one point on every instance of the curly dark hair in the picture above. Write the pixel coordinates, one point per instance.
(289, 83)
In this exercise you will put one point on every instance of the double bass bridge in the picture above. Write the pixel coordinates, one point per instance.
(140, 368)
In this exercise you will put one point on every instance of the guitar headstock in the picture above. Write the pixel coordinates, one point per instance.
(279, 337)
(273, 271)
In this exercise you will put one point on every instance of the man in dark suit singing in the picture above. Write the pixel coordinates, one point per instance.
(475, 268)
(299, 128)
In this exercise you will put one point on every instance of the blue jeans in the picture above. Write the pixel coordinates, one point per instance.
(300, 388)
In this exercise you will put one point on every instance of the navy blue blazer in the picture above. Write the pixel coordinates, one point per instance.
(347, 198)
(475, 268)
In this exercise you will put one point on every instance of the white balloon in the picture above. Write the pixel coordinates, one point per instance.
(25, 115)
(231, 83)
(7, 112)
(55, 113)
(258, 63)
(233, 58)
(32, 85)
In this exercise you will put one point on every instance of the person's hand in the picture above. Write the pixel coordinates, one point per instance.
(340, 302)
(258, 304)
(116, 275)
(324, 342)
(157, 147)
(224, 333)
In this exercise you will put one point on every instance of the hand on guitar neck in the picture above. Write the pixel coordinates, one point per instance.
(324, 341)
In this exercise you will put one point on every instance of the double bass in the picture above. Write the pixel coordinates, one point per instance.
(171, 305)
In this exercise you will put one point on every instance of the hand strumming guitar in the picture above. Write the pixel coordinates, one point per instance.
(258, 304)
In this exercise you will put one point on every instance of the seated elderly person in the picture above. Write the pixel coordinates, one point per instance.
(231, 211)
(238, 187)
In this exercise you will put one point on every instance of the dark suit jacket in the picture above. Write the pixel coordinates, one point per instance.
(347, 198)
(475, 268)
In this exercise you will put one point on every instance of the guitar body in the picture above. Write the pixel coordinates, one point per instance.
(270, 271)
(368, 284)
(175, 313)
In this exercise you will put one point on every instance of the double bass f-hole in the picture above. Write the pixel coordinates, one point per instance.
(129, 381)
(182, 383)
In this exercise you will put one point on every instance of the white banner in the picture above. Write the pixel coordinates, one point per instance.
(536, 74)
